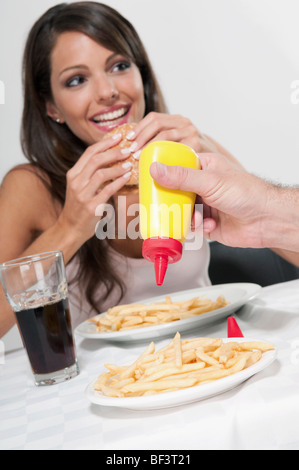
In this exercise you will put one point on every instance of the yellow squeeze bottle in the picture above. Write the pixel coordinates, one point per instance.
(165, 214)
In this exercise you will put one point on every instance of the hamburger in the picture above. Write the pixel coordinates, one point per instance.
(124, 129)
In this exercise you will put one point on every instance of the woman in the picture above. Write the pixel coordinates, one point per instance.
(85, 71)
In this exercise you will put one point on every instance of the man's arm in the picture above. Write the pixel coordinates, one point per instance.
(243, 210)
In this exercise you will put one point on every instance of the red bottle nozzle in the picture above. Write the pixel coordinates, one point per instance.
(162, 251)
(161, 265)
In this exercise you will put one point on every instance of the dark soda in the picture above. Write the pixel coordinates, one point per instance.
(47, 336)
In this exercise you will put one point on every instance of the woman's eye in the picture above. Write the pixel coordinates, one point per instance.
(75, 81)
(121, 66)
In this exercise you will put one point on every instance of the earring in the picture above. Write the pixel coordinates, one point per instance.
(58, 121)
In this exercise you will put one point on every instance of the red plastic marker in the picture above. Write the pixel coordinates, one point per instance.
(233, 329)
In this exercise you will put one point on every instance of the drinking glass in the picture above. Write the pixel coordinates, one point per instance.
(36, 289)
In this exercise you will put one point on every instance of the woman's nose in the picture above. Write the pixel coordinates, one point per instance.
(106, 89)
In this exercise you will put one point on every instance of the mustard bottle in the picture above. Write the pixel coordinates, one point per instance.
(165, 214)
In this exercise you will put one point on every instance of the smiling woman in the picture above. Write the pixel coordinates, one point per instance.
(85, 72)
(106, 86)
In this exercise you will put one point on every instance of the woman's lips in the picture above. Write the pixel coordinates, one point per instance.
(110, 119)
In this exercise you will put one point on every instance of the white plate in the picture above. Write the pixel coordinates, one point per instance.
(187, 395)
(237, 294)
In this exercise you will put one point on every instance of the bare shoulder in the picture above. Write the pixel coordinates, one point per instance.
(26, 190)
(24, 173)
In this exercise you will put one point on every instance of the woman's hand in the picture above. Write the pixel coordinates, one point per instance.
(176, 128)
(91, 182)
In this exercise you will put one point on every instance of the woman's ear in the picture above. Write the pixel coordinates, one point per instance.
(53, 113)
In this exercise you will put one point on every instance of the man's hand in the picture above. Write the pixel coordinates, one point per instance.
(235, 202)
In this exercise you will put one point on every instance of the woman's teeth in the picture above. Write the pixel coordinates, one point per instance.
(109, 118)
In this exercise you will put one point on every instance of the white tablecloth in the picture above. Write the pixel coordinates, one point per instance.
(262, 413)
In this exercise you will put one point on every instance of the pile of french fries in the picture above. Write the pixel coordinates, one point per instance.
(124, 317)
(181, 364)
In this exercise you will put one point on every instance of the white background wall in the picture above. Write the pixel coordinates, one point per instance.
(226, 64)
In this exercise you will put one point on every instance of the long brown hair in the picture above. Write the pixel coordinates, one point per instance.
(53, 149)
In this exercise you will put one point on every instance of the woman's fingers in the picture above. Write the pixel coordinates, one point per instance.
(110, 189)
(158, 126)
(94, 151)
(102, 176)
(98, 164)
(100, 161)
(93, 180)
(150, 127)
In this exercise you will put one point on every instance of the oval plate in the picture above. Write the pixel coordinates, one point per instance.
(237, 294)
(187, 395)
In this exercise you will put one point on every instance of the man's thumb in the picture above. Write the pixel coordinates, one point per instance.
(176, 177)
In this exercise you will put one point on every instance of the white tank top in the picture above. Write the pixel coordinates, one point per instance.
(139, 278)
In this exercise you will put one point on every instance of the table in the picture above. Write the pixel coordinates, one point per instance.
(262, 413)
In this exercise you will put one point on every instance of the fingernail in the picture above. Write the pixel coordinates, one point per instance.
(127, 175)
(161, 169)
(125, 151)
(116, 136)
(130, 135)
(136, 155)
(127, 165)
(133, 146)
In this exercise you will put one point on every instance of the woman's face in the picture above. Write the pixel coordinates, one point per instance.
(94, 89)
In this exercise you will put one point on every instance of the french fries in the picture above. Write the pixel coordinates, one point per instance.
(181, 364)
(124, 317)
